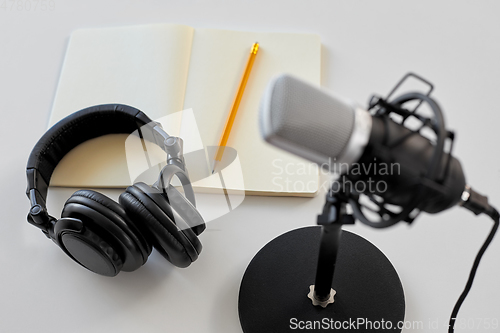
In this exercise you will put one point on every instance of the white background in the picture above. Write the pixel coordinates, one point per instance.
(367, 47)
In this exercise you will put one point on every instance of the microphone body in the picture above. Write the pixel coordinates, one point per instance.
(402, 168)
(366, 150)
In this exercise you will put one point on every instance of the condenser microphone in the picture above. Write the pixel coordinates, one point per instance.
(312, 123)
(331, 131)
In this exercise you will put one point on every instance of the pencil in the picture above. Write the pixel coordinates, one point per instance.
(236, 103)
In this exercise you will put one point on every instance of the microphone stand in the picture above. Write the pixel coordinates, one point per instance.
(368, 295)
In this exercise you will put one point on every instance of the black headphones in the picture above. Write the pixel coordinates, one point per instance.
(98, 233)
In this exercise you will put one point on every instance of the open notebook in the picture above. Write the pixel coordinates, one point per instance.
(165, 68)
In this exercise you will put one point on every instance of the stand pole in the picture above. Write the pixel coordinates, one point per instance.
(331, 220)
(330, 238)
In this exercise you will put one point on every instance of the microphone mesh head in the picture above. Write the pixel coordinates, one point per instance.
(305, 120)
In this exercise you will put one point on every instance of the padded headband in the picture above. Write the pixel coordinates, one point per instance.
(73, 130)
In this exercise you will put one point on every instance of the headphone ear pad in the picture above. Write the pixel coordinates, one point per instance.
(179, 246)
(109, 220)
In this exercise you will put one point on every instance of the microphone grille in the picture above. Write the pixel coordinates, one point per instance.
(305, 120)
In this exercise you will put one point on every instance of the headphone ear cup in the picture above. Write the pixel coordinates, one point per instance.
(109, 221)
(153, 215)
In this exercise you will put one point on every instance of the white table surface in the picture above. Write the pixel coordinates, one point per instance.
(367, 47)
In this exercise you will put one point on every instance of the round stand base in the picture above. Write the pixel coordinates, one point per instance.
(273, 292)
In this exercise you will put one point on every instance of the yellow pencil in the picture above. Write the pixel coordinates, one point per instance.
(236, 104)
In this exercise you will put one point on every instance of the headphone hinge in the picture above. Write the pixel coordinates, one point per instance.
(38, 215)
(172, 145)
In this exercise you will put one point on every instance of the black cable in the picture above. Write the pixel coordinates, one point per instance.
(493, 213)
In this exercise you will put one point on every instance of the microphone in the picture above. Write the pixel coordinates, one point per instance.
(366, 150)
(333, 132)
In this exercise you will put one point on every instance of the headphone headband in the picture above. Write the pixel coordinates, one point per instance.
(68, 133)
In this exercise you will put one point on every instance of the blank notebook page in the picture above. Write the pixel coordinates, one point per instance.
(141, 66)
(218, 59)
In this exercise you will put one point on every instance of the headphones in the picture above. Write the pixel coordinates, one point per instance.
(100, 234)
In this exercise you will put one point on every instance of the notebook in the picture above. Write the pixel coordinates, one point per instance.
(162, 69)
